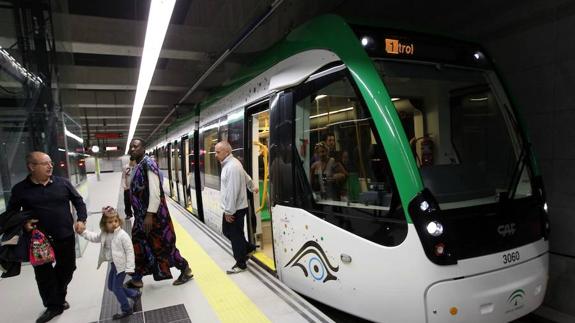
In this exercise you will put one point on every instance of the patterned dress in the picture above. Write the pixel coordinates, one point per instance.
(156, 251)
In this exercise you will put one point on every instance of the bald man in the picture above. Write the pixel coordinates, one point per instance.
(49, 197)
(234, 202)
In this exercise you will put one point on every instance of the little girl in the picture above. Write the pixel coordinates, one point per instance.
(116, 248)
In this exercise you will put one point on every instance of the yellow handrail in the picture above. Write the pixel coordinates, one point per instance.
(264, 151)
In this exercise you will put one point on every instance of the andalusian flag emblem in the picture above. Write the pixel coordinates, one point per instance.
(516, 297)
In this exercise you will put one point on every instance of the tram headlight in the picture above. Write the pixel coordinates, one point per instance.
(424, 206)
(478, 55)
(434, 228)
(366, 41)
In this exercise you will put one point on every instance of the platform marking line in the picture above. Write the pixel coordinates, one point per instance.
(225, 297)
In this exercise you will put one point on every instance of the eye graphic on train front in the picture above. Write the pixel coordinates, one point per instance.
(311, 259)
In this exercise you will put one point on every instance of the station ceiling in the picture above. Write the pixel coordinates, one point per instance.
(99, 44)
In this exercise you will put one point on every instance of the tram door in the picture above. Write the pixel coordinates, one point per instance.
(183, 156)
(170, 159)
(176, 171)
(260, 228)
(187, 175)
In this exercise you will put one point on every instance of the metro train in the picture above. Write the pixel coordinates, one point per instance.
(397, 182)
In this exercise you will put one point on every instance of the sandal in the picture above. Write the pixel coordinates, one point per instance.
(184, 277)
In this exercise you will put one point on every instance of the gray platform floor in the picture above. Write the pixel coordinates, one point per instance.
(161, 302)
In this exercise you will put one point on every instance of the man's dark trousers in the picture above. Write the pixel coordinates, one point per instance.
(235, 232)
(53, 279)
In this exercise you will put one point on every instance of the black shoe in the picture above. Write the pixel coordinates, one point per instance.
(66, 306)
(252, 248)
(48, 315)
(130, 284)
(120, 316)
(185, 276)
(236, 269)
(128, 216)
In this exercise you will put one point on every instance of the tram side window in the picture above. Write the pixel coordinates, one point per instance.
(344, 163)
(236, 136)
(164, 166)
(232, 130)
(208, 163)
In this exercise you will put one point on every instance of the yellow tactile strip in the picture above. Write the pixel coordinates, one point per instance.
(269, 262)
(226, 299)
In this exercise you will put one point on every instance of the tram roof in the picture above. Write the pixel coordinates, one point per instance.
(301, 38)
(306, 36)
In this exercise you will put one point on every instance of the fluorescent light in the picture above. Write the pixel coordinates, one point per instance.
(318, 115)
(395, 99)
(111, 148)
(158, 22)
(330, 113)
(60, 149)
(73, 136)
(342, 110)
(478, 99)
(321, 96)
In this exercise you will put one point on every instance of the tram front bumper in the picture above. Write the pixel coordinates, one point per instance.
(499, 296)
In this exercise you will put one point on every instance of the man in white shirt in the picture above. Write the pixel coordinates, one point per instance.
(234, 202)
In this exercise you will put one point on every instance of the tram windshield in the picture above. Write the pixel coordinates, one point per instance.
(462, 133)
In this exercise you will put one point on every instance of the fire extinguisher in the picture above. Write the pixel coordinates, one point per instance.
(426, 151)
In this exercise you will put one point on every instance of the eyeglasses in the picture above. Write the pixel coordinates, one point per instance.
(44, 163)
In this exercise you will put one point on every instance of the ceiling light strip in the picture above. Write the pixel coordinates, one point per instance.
(254, 25)
(158, 22)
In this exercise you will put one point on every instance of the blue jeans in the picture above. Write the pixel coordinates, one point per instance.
(116, 285)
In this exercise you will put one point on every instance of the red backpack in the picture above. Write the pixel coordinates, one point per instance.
(41, 251)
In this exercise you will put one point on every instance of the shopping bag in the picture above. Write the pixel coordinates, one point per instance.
(41, 251)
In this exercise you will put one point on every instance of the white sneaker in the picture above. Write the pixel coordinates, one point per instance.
(235, 270)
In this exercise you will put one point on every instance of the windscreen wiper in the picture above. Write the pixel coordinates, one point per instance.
(518, 170)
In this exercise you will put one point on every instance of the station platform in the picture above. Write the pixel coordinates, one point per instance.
(212, 296)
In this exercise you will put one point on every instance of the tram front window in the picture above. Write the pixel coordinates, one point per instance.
(461, 131)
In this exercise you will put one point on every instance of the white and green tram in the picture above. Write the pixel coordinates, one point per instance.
(397, 180)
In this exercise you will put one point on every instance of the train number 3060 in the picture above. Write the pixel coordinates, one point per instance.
(511, 257)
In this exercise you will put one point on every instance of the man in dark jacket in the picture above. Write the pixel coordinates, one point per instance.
(49, 197)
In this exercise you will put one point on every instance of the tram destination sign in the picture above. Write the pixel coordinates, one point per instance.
(398, 44)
